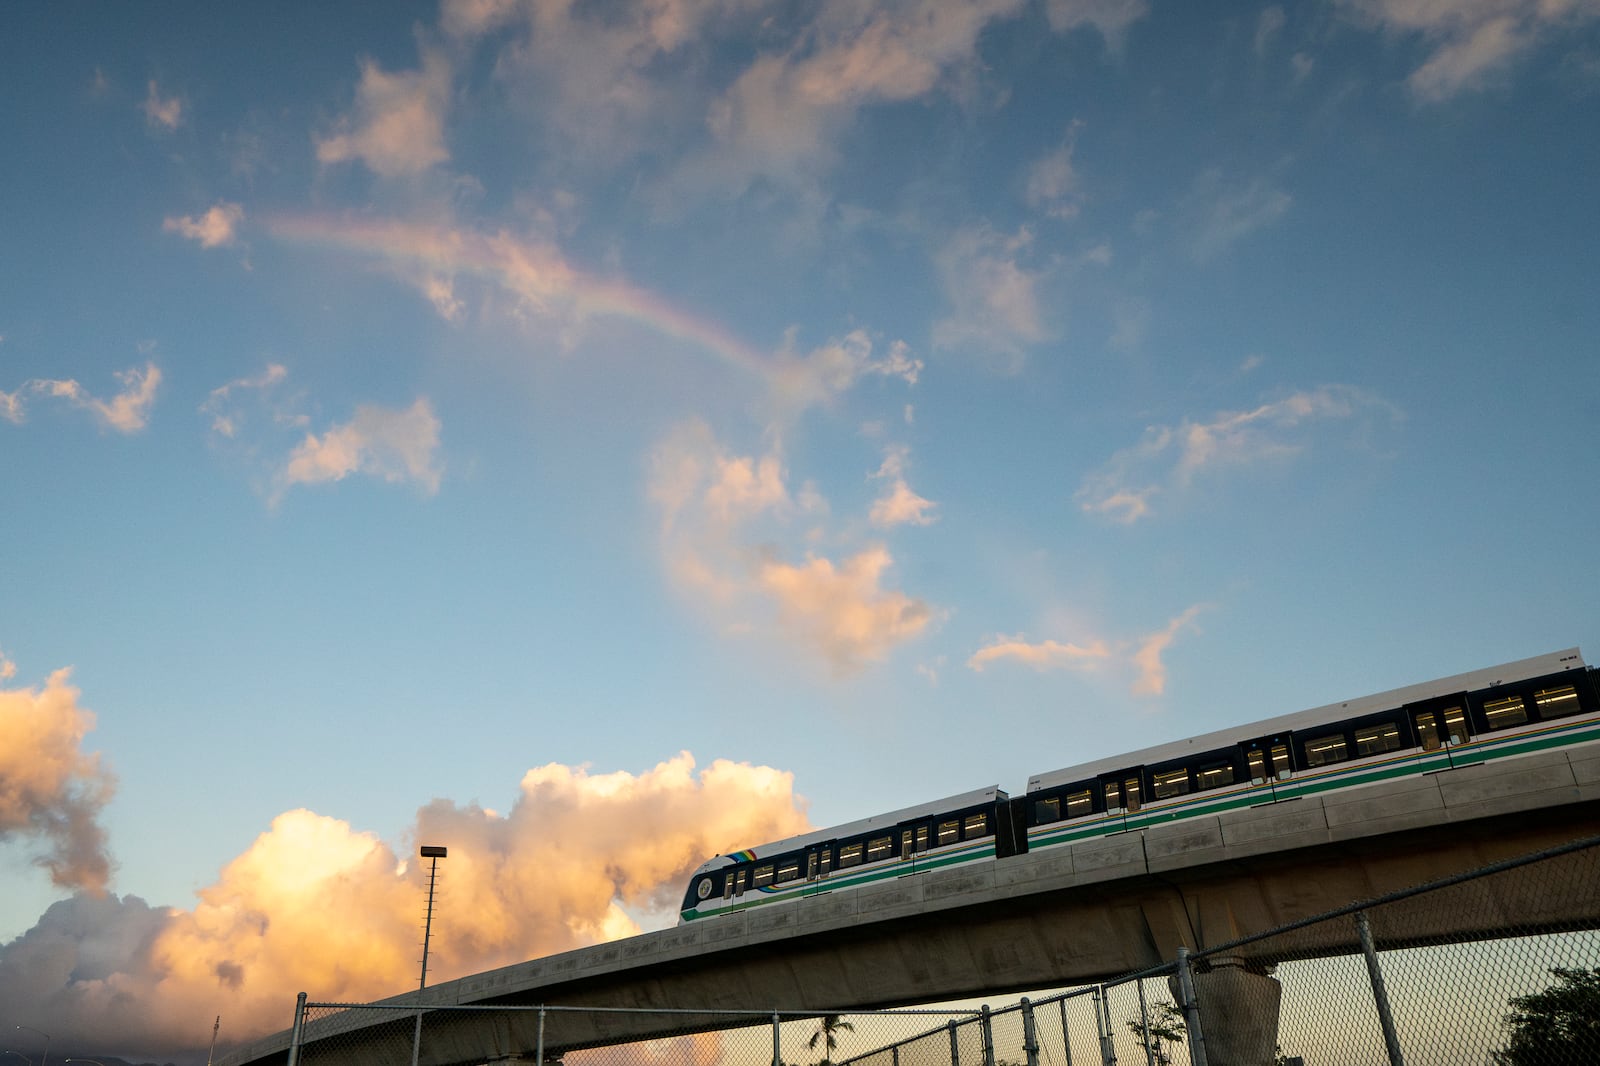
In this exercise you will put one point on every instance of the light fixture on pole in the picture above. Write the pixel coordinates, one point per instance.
(21, 1056)
(433, 852)
(45, 1055)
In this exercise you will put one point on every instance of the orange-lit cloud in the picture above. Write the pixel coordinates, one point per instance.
(214, 229)
(314, 904)
(723, 517)
(1140, 658)
(398, 124)
(898, 505)
(50, 791)
(393, 445)
(126, 412)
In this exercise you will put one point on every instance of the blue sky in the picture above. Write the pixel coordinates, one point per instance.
(885, 399)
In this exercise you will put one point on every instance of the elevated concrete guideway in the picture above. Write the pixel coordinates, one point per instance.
(1043, 920)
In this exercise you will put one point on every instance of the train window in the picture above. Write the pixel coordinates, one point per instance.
(977, 826)
(1113, 795)
(1080, 804)
(734, 885)
(789, 869)
(1210, 777)
(1258, 765)
(1046, 811)
(1130, 788)
(763, 876)
(949, 832)
(1557, 702)
(824, 860)
(879, 848)
(850, 854)
(1505, 713)
(1325, 750)
(1377, 739)
(1171, 782)
(1455, 724)
(923, 835)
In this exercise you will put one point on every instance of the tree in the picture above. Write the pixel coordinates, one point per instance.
(1559, 1026)
(827, 1035)
(1164, 1026)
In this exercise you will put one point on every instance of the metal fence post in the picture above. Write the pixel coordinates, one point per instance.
(777, 1050)
(955, 1047)
(986, 1027)
(538, 1048)
(1066, 1034)
(1191, 1010)
(1102, 1027)
(1391, 1039)
(1030, 1034)
(299, 1029)
(1144, 1026)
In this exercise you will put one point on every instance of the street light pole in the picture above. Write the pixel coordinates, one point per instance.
(45, 1055)
(433, 852)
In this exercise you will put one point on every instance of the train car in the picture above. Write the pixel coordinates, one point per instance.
(1544, 703)
(1538, 704)
(972, 827)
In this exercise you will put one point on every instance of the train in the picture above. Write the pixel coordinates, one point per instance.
(1545, 703)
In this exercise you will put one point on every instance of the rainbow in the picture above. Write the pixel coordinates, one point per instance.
(533, 270)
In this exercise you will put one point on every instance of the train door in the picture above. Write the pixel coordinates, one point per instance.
(1267, 759)
(915, 839)
(1441, 724)
(1123, 793)
(819, 863)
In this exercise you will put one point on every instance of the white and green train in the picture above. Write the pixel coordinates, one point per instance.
(1544, 703)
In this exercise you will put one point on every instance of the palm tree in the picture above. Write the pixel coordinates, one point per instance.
(827, 1035)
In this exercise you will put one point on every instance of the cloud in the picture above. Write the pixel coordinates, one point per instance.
(316, 904)
(223, 407)
(1221, 211)
(993, 297)
(214, 229)
(1111, 17)
(1169, 459)
(126, 412)
(50, 791)
(799, 382)
(898, 505)
(393, 445)
(166, 113)
(842, 610)
(724, 518)
(397, 127)
(1152, 680)
(1053, 184)
(11, 408)
(1041, 656)
(1470, 44)
(1139, 660)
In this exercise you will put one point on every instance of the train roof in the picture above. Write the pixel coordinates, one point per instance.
(877, 821)
(1506, 673)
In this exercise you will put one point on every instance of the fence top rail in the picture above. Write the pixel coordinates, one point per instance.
(753, 1015)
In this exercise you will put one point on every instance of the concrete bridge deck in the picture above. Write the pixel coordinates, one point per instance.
(1044, 920)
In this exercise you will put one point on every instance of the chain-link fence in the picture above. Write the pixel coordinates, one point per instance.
(1381, 982)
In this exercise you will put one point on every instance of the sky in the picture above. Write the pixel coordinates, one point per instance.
(597, 435)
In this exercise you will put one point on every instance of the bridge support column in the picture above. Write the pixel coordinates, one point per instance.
(1237, 1008)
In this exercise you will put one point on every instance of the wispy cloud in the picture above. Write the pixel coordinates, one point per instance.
(1470, 44)
(1222, 210)
(723, 519)
(223, 402)
(1138, 660)
(993, 298)
(51, 791)
(1169, 458)
(126, 412)
(1053, 184)
(162, 112)
(397, 125)
(396, 446)
(214, 229)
